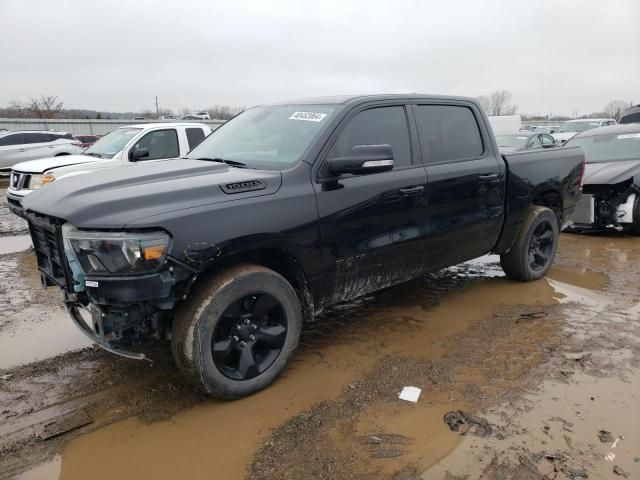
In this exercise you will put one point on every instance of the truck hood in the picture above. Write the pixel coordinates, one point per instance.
(43, 164)
(610, 173)
(114, 198)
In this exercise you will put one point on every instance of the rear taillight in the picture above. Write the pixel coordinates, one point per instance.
(76, 144)
(582, 170)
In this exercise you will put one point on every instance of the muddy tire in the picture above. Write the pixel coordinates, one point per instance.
(635, 226)
(236, 331)
(535, 247)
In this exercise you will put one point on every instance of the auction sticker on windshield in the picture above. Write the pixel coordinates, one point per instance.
(308, 116)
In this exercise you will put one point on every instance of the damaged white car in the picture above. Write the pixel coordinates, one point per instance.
(611, 191)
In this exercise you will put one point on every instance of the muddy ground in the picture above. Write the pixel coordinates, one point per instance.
(541, 381)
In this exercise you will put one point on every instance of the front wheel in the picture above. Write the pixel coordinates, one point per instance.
(533, 252)
(237, 331)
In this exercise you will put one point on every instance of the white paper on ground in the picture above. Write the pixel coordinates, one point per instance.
(410, 394)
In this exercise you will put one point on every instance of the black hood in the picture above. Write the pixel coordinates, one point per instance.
(116, 197)
(610, 173)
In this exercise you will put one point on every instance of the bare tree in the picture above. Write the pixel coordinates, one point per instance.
(615, 108)
(17, 109)
(46, 106)
(499, 103)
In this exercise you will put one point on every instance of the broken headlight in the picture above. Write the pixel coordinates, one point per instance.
(104, 253)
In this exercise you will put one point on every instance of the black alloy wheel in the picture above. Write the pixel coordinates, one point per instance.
(541, 245)
(249, 336)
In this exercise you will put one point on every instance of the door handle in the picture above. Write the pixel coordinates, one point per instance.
(22, 150)
(412, 190)
(488, 178)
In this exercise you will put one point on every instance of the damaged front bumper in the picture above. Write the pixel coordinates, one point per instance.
(606, 210)
(74, 312)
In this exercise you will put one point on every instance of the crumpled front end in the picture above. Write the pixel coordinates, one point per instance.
(614, 207)
(125, 282)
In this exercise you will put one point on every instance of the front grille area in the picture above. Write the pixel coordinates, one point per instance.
(20, 180)
(47, 243)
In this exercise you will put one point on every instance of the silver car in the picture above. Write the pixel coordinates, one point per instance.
(22, 145)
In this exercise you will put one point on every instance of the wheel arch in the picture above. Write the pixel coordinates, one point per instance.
(281, 261)
(552, 199)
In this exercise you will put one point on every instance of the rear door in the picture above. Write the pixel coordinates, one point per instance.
(35, 146)
(10, 146)
(371, 225)
(466, 181)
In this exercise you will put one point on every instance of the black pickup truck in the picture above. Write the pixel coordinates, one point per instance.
(285, 210)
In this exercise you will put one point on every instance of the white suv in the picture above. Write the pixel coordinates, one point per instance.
(22, 145)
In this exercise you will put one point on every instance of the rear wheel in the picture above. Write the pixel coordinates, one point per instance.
(533, 252)
(635, 226)
(237, 331)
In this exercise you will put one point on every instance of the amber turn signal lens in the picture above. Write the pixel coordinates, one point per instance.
(153, 253)
(48, 178)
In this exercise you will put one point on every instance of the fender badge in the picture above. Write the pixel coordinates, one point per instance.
(240, 187)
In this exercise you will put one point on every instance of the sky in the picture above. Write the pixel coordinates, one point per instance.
(555, 56)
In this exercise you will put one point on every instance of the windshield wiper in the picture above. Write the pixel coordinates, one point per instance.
(233, 163)
(93, 154)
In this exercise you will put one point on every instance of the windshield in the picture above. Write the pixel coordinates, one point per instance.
(511, 140)
(270, 137)
(609, 148)
(112, 142)
(577, 126)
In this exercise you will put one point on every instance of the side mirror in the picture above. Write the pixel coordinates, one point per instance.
(138, 153)
(363, 159)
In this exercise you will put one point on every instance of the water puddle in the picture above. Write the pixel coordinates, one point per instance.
(419, 320)
(222, 436)
(15, 244)
(36, 334)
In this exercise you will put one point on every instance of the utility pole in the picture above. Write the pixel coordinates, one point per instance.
(157, 110)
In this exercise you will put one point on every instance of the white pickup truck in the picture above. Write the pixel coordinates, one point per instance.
(124, 146)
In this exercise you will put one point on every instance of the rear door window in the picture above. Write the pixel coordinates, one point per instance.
(377, 126)
(194, 137)
(36, 137)
(448, 133)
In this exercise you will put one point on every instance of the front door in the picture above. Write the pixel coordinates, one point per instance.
(466, 183)
(370, 224)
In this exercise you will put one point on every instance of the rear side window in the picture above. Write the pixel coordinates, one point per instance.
(161, 144)
(448, 133)
(194, 137)
(36, 138)
(15, 139)
(377, 126)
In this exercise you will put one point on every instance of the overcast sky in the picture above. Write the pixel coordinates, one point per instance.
(555, 56)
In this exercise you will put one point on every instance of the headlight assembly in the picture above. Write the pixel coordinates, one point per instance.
(35, 182)
(104, 253)
(39, 180)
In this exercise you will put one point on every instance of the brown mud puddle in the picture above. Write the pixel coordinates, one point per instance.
(407, 328)
(34, 324)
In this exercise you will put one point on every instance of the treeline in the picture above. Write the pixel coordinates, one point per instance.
(49, 106)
